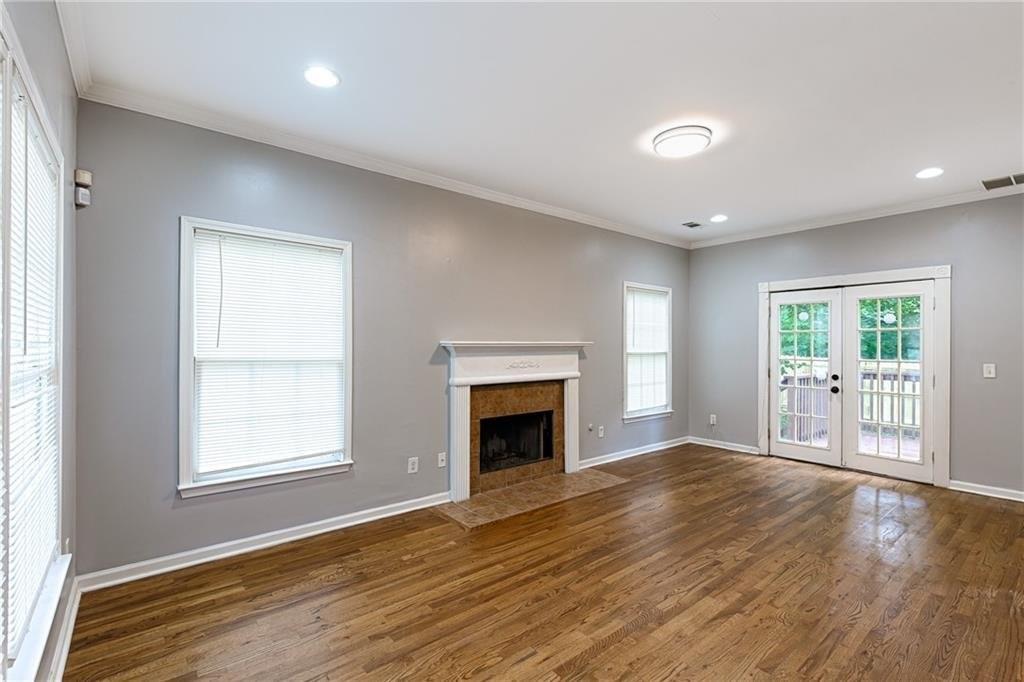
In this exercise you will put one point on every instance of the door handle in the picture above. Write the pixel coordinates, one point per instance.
(835, 389)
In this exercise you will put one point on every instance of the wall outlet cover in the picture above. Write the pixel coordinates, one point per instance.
(414, 465)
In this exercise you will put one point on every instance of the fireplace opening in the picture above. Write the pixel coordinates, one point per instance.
(516, 439)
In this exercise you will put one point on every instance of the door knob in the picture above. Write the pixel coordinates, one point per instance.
(835, 389)
(835, 377)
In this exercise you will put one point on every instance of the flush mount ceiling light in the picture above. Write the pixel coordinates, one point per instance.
(321, 77)
(932, 172)
(675, 143)
(720, 218)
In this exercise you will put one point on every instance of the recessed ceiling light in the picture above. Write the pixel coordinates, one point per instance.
(321, 77)
(676, 143)
(720, 218)
(932, 172)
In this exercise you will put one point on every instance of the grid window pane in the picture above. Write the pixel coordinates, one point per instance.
(890, 410)
(803, 316)
(787, 317)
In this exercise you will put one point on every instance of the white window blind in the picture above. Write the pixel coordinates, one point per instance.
(648, 348)
(269, 362)
(32, 391)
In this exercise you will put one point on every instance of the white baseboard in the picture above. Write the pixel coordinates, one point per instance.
(723, 445)
(173, 562)
(67, 628)
(632, 452)
(987, 490)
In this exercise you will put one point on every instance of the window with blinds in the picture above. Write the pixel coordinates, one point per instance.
(265, 382)
(32, 394)
(647, 350)
(30, 414)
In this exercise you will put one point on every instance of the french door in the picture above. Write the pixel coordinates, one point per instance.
(849, 377)
(806, 367)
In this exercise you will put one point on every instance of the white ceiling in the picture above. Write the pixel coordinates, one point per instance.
(821, 112)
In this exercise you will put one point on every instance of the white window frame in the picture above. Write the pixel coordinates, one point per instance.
(188, 485)
(25, 662)
(661, 411)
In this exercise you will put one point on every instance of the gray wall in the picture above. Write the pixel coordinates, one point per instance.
(982, 241)
(428, 265)
(39, 33)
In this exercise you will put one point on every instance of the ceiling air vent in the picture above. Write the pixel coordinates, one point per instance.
(996, 183)
(692, 225)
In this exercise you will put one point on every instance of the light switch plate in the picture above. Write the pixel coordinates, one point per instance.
(988, 370)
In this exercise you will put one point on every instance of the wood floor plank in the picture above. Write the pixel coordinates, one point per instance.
(705, 565)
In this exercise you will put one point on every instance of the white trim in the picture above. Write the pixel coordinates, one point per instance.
(257, 132)
(987, 490)
(763, 363)
(860, 278)
(33, 643)
(512, 345)
(632, 452)
(660, 410)
(173, 562)
(187, 485)
(503, 378)
(70, 16)
(647, 416)
(941, 350)
(187, 490)
(724, 445)
(835, 219)
(62, 646)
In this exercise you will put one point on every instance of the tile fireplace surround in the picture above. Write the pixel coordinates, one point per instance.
(480, 363)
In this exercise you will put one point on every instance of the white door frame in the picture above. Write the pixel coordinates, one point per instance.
(942, 276)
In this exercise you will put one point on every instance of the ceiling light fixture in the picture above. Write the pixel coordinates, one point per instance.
(720, 218)
(675, 143)
(932, 172)
(321, 77)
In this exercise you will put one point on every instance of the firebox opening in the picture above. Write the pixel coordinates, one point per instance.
(516, 439)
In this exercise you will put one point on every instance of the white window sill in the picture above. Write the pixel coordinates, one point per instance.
(187, 490)
(30, 652)
(644, 416)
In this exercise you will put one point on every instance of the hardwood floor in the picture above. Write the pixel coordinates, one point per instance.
(705, 565)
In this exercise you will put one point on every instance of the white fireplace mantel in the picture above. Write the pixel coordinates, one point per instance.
(501, 362)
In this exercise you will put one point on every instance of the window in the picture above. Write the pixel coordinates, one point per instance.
(265, 356)
(30, 405)
(647, 349)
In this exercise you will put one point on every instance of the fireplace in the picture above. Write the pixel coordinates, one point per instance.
(516, 440)
(511, 382)
(516, 432)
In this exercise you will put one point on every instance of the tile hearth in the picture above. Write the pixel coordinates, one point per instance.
(496, 505)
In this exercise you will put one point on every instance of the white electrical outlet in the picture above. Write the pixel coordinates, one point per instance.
(600, 431)
(988, 370)
(442, 460)
(414, 465)
(713, 420)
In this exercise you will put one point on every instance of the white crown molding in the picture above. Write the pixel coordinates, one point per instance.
(867, 214)
(71, 25)
(230, 125)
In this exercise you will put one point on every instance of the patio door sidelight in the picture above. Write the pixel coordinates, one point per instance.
(850, 378)
(806, 365)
